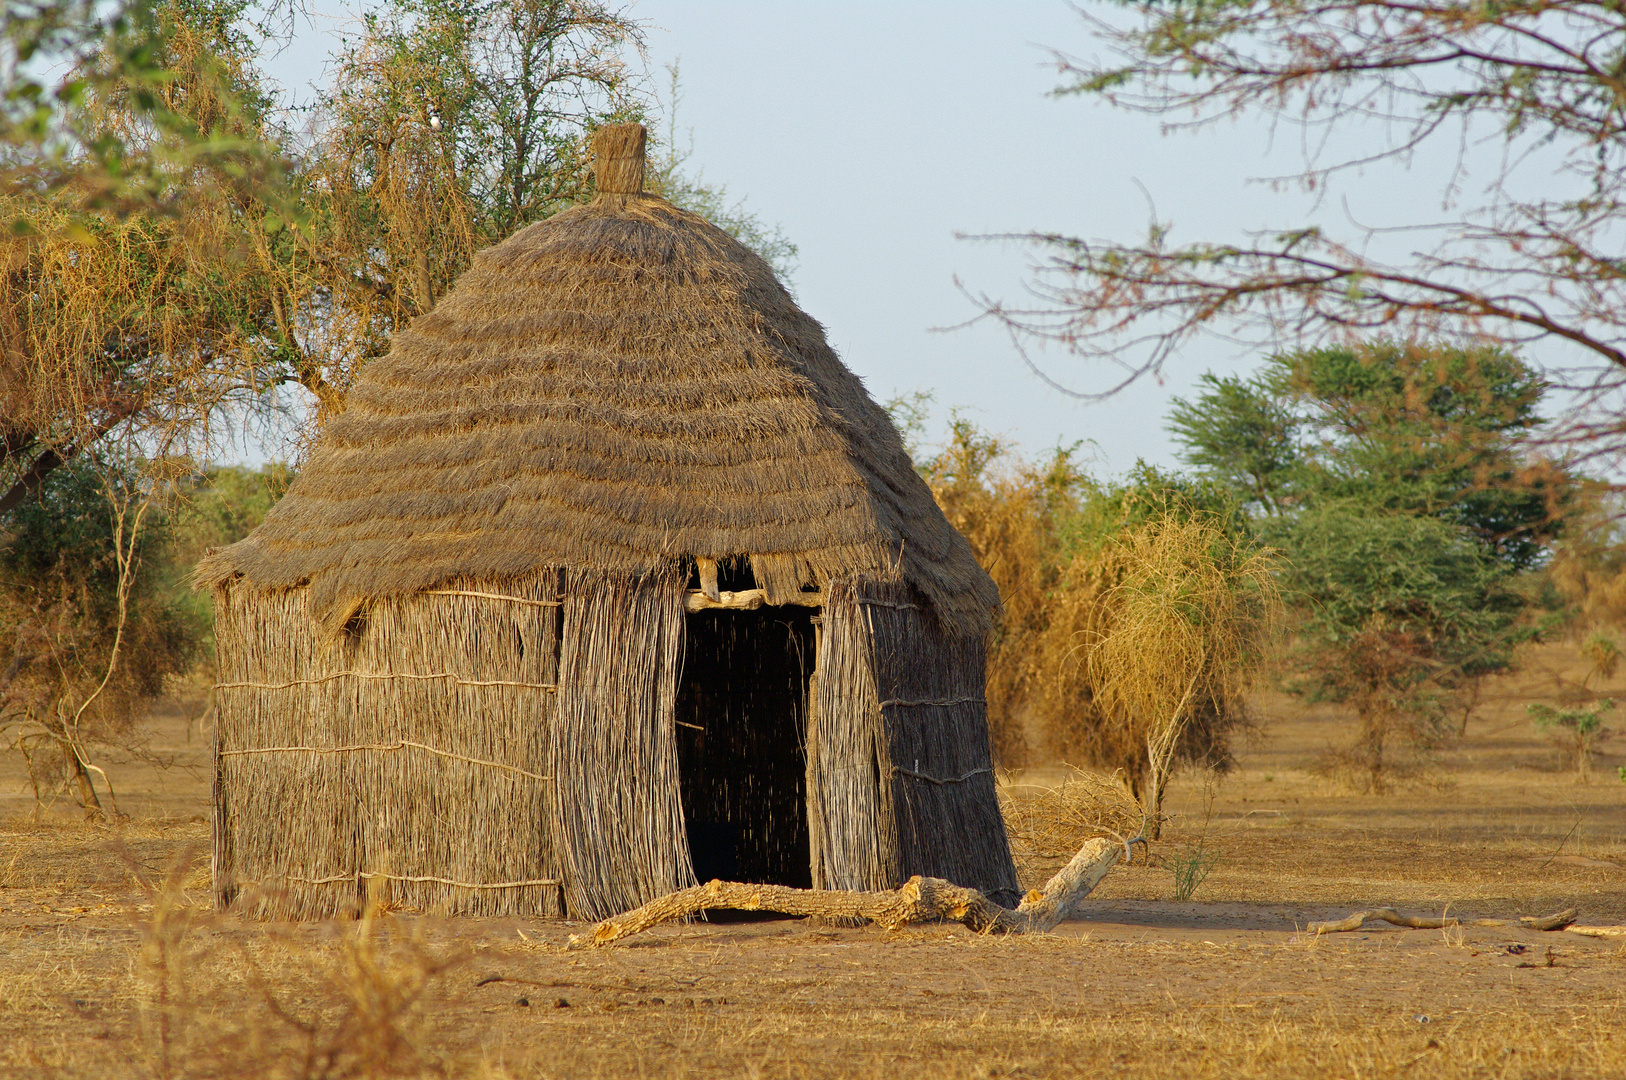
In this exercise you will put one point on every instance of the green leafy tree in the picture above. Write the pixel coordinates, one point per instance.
(141, 262)
(1243, 435)
(1424, 429)
(1397, 482)
(1429, 429)
(1397, 613)
(1578, 729)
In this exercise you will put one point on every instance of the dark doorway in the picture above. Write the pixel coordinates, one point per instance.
(742, 719)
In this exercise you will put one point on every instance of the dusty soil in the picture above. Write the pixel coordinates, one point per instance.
(111, 964)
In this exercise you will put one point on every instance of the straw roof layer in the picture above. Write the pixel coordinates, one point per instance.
(621, 386)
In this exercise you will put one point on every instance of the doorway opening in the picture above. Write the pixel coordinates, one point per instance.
(741, 716)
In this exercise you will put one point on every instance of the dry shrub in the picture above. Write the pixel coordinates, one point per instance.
(1164, 567)
(1049, 823)
(1052, 822)
(355, 1008)
(1017, 518)
(1177, 637)
(1588, 567)
(88, 632)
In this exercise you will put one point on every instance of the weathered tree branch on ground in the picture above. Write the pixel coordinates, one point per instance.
(1598, 931)
(920, 899)
(1559, 920)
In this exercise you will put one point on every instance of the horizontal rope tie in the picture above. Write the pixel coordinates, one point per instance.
(909, 704)
(383, 675)
(889, 604)
(939, 780)
(494, 596)
(431, 880)
(404, 743)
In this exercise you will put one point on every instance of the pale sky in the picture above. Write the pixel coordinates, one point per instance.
(875, 133)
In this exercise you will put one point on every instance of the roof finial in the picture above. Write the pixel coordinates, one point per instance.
(618, 159)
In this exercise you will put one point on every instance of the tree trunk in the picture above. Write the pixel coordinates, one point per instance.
(87, 790)
(920, 899)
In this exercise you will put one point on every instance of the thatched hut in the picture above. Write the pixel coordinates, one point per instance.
(609, 575)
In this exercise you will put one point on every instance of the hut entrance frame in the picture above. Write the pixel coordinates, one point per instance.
(741, 728)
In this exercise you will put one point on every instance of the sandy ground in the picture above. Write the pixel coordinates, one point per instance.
(106, 970)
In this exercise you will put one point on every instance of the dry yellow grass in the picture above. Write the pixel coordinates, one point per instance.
(107, 971)
(1049, 818)
(784, 1000)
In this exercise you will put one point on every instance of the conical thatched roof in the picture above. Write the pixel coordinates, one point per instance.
(618, 387)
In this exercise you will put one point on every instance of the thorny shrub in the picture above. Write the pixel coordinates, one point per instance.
(1061, 546)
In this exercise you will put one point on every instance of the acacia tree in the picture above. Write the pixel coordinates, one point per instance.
(175, 246)
(1544, 78)
(448, 125)
(1397, 482)
(140, 205)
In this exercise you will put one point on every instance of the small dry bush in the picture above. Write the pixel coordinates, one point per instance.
(1185, 626)
(1134, 614)
(89, 633)
(352, 1004)
(1049, 822)
(1588, 565)
(1014, 516)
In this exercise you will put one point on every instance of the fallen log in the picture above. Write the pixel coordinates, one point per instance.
(1558, 920)
(1598, 931)
(920, 899)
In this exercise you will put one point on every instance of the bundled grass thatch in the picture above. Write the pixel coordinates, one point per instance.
(619, 386)
(453, 656)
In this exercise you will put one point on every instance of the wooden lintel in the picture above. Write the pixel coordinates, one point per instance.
(746, 600)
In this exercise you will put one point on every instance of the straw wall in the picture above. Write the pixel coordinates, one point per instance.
(413, 753)
(620, 829)
(899, 761)
(852, 835)
(939, 768)
(511, 749)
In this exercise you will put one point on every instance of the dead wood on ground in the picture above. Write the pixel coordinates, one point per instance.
(920, 899)
(1558, 920)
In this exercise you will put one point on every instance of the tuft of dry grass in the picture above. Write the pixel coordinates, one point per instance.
(1047, 822)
